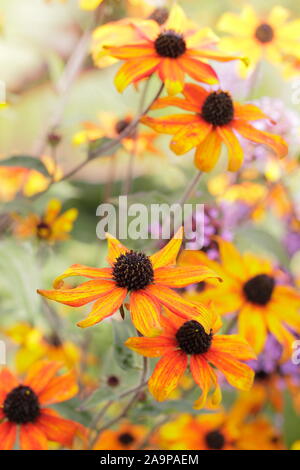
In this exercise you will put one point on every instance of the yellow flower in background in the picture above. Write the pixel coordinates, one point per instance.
(296, 446)
(89, 4)
(51, 226)
(271, 37)
(126, 437)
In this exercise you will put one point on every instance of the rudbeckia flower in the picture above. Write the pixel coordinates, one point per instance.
(272, 36)
(215, 119)
(194, 340)
(172, 51)
(52, 226)
(250, 290)
(148, 280)
(24, 407)
(127, 437)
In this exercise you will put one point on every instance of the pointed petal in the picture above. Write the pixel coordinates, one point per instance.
(84, 271)
(7, 382)
(177, 102)
(208, 152)
(167, 374)
(40, 374)
(57, 429)
(182, 276)
(248, 112)
(133, 51)
(177, 19)
(152, 347)
(168, 254)
(8, 434)
(190, 136)
(201, 372)
(81, 295)
(172, 75)
(235, 150)
(199, 70)
(104, 307)
(169, 124)
(195, 94)
(275, 142)
(145, 313)
(232, 260)
(215, 55)
(115, 249)
(252, 327)
(237, 374)
(32, 438)
(233, 345)
(134, 70)
(60, 388)
(283, 336)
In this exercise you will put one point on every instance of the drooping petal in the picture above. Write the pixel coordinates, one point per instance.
(233, 345)
(106, 306)
(168, 254)
(235, 150)
(182, 276)
(248, 112)
(238, 374)
(190, 136)
(8, 434)
(167, 374)
(115, 248)
(275, 142)
(133, 51)
(170, 124)
(145, 313)
(84, 271)
(40, 374)
(134, 70)
(81, 295)
(198, 70)
(174, 101)
(208, 152)
(252, 327)
(201, 372)
(152, 347)
(57, 429)
(172, 75)
(32, 438)
(215, 55)
(60, 388)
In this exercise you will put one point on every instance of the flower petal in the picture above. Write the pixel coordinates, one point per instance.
(8, 434)
(152, 347)
(235, 150)
(238, 374)
(169, 124)
(57, 429)
(167, 374)
(283, 336)
(84, 271)
(201, 372)
(172, 75)
(231, 259)
(168, 254)
(248, 112)
(252, 327)
(182, 276)
(32, 438)
(60, 388)
(106, 306)
(80, 295)
(190, 136)
(7, 382)
(208, 152)
(195, 94)
(115, 249)
(275, 142)
(233, 345)
(132, 51)
(145, 313)
(174, 101)
(40, 374)
(177, 19)
(134, 70)
(198, 70)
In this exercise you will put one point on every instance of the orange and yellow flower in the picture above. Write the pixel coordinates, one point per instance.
(148, 280)
(172, 51)
(24, 406)
(127, 437)
(195, 338)
(272, 37)
(250, 290)
(51, 226)
(215, 119)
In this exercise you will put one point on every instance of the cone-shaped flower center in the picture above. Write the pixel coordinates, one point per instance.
(113, 381)
(215, 440)
(54, 340)
(126, 438)
(259, 289)
(192, 338)
(264, 33)
(170, 44)
(21, 405)
(261, 375)
(160, 15)
(133, 271)
(218, 108)
(43, 230)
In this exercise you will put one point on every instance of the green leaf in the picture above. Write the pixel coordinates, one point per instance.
(25, 161)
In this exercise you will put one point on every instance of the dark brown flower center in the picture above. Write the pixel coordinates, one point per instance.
(133, 271)
(21, 405)
(259, 289)
(170, 44)
(54, 340)
(218, 108)
(43, 230)
(126, 438)
(264, 33)
(121, 125)
(261, 375)
(192, 338)
(215, 440)
(113, 381)
(160, 15)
